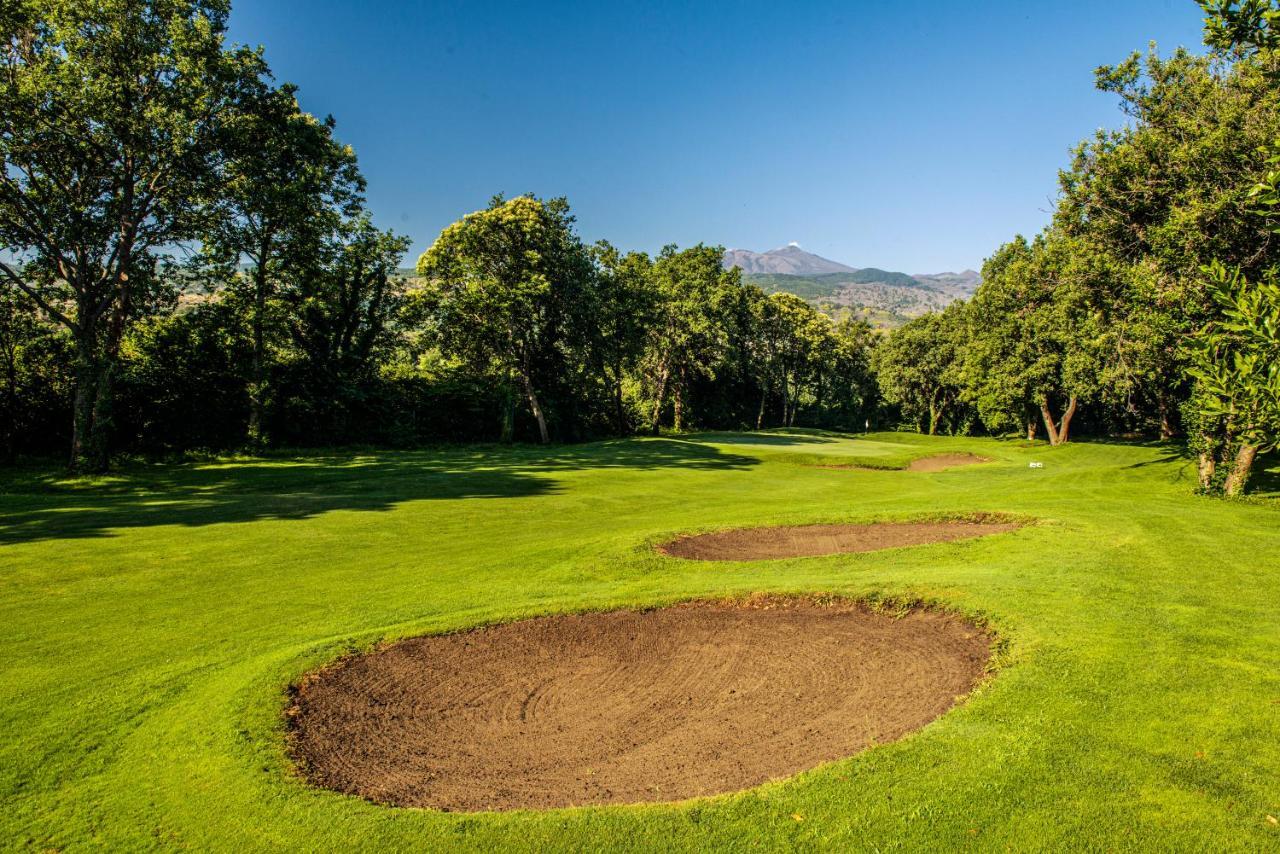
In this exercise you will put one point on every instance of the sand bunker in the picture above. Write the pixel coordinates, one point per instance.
(945, 461)
(938, 462)
(627, 706)
(816, 540)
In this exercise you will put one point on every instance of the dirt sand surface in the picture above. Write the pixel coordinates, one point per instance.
(945, 461)
(815, 540)
(627, 706)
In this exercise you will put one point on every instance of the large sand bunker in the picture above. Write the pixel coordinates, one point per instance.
(816, 540)
(935, 463)
(940, 462)
(627, 706)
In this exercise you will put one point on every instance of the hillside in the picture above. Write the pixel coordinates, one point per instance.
(789, 260)
(883, 298)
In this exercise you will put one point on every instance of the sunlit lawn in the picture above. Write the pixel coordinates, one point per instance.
(150, 623)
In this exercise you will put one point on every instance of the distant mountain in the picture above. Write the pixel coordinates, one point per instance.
(789, 260)
(963, 283)
(882, 297)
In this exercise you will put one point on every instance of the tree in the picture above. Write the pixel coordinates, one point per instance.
(688, 336)
(917, 368)
(1036, 336)
(795, 343)
(1241, 26)
(340, 301)
(111, 116)
(1170, 193)
(20, 327)
(1235, 362)
(623, 307)
(285, 184)
(845, 388)
(1234, 406)
(500, 285)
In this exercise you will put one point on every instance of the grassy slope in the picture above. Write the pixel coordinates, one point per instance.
(148, 626)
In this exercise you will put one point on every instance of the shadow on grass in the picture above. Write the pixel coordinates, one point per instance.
(763, 438)
(1265, 482)
(1174, 456)
(39, 504)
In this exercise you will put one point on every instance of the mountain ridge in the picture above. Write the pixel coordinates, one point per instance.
(788, 260)
(885, 298)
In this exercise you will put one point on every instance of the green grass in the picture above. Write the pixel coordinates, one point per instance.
(150, 623)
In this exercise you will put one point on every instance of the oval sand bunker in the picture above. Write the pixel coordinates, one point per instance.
(942, 462)
(935, 463)
(627, 706)
(816, 540)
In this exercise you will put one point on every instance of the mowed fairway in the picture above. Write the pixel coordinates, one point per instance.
(151, 622)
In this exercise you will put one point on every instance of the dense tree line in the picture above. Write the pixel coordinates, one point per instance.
(187, 262)
(1149, 305)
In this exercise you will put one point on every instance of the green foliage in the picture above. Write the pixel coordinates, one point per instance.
(698, 302)
(504, 287)
(1236, 358)
(112, 118)
(1036, 334)
(1241, 26)
(34, 389)
(625, 305)
(1235, 364)
(183, 381)
(918, 369)
(285, 191)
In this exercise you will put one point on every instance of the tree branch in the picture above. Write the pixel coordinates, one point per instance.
(39, 300)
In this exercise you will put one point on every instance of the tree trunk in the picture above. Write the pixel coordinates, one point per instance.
(786, 400)
(543, 435)
(659, 399)
(793, 400)
(819, 400)
(86, 381)
(677, 403)
(619, 410)
(935, 415)
(98, 453)
(764, 394)
(1064, 426)
(1166, 423)
(257, 361)
(508, 413)
(1049, 424)
(1239, 477)
(11, 406)
(1207, 466)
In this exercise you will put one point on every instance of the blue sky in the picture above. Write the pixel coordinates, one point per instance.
(914, 136)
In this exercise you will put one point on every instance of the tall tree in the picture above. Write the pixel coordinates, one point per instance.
(501, 286)
(1235, 361)
(688, 335)
(341, 299)
(111, 115)
(623, 307)
(794, 341)
(286, 184)
(1036, 337)
(917, 368)
(1169, 193)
